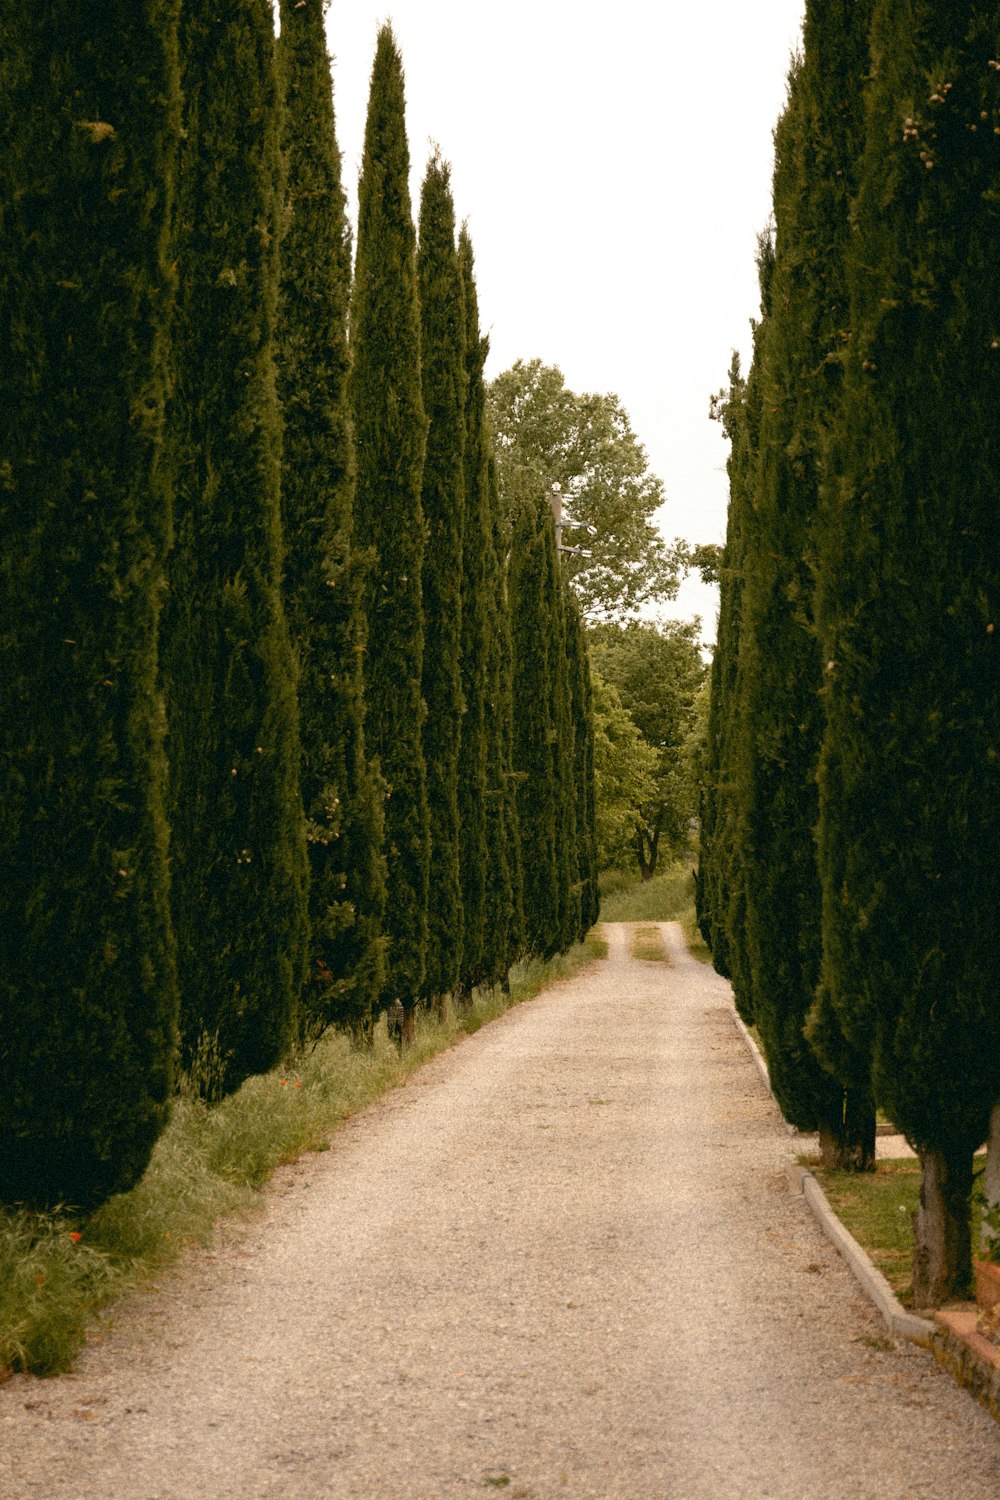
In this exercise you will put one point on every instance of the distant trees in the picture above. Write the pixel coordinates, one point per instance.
(855, 705)
(624, 773)
(546, 434)
(657, 670)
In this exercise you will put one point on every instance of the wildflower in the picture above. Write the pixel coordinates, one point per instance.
(75, 1236)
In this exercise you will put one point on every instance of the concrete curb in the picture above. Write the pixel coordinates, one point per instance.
(874, 1285)
(903, 1324)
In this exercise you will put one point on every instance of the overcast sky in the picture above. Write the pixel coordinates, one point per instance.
(614, 165)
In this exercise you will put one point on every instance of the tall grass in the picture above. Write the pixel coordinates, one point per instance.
(58, 1270)
(668, 897)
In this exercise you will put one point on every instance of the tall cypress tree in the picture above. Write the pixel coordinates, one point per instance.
(569, 882)
(87, 985)
(442, 313)
(239, 858)
(722, 884)
(536, 641)
(390, 430)
(729, 408)
(583, 766)
(323, 574)
(908, 595)
(483, 863)
(816, 143)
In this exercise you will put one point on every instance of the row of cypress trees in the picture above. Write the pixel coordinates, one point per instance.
(849, 883)
(259, 696)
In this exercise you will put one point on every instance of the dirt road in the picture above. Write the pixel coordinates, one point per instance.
(563, 1261)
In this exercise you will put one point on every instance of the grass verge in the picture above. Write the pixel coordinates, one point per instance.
(647, 944)
(877, 1208)
(59, 1270)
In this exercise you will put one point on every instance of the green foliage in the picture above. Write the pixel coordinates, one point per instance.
(443, 351)
(568, 873)
(547, 435)
(390, 429)
(909, 589)
(536, 641)
(238, 856)
(720, 892)
(504, 935)
(323, 572)
(584, 778)
(657, 670)
(625, 767)
(87, 987)
(483, 860)
(777, 695)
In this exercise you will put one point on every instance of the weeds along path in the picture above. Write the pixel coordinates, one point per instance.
(562, 1261)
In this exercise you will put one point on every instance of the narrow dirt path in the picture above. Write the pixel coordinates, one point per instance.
(563, 1261)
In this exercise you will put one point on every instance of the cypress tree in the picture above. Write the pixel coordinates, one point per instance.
(239, 858)
(729, 407)
(323, 574)
(390, 429)
(87, 985)
(816, 141)
(481, 839)
(569, 884)
(504, 940)
(442, 315)
(583, 766)
(536, 640)
(908, 591)
(724, 886)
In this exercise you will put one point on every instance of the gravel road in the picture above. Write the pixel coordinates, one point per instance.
(564, 1260)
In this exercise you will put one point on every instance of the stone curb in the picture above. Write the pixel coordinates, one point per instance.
(874, 1285)
(903, 1324)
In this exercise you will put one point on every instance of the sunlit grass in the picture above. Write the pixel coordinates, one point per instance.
(668, 897)
(647, 944)
(665, 898)
(59, 1270)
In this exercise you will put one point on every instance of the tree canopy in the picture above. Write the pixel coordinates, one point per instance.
(657, 670)
(546, 434)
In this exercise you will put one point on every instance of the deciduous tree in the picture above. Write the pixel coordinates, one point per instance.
(545, 435)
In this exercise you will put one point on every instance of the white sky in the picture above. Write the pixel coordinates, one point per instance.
(614, 164)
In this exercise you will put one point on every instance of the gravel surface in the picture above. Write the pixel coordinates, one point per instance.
(564, 1260)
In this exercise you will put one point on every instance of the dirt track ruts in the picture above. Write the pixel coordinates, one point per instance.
(562, 1261)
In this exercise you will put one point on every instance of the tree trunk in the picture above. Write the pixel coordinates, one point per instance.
(988, 1235)
(847, 1142)
(942, 1257)
(409, 1025)
(857, 1143)
(647, 838)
